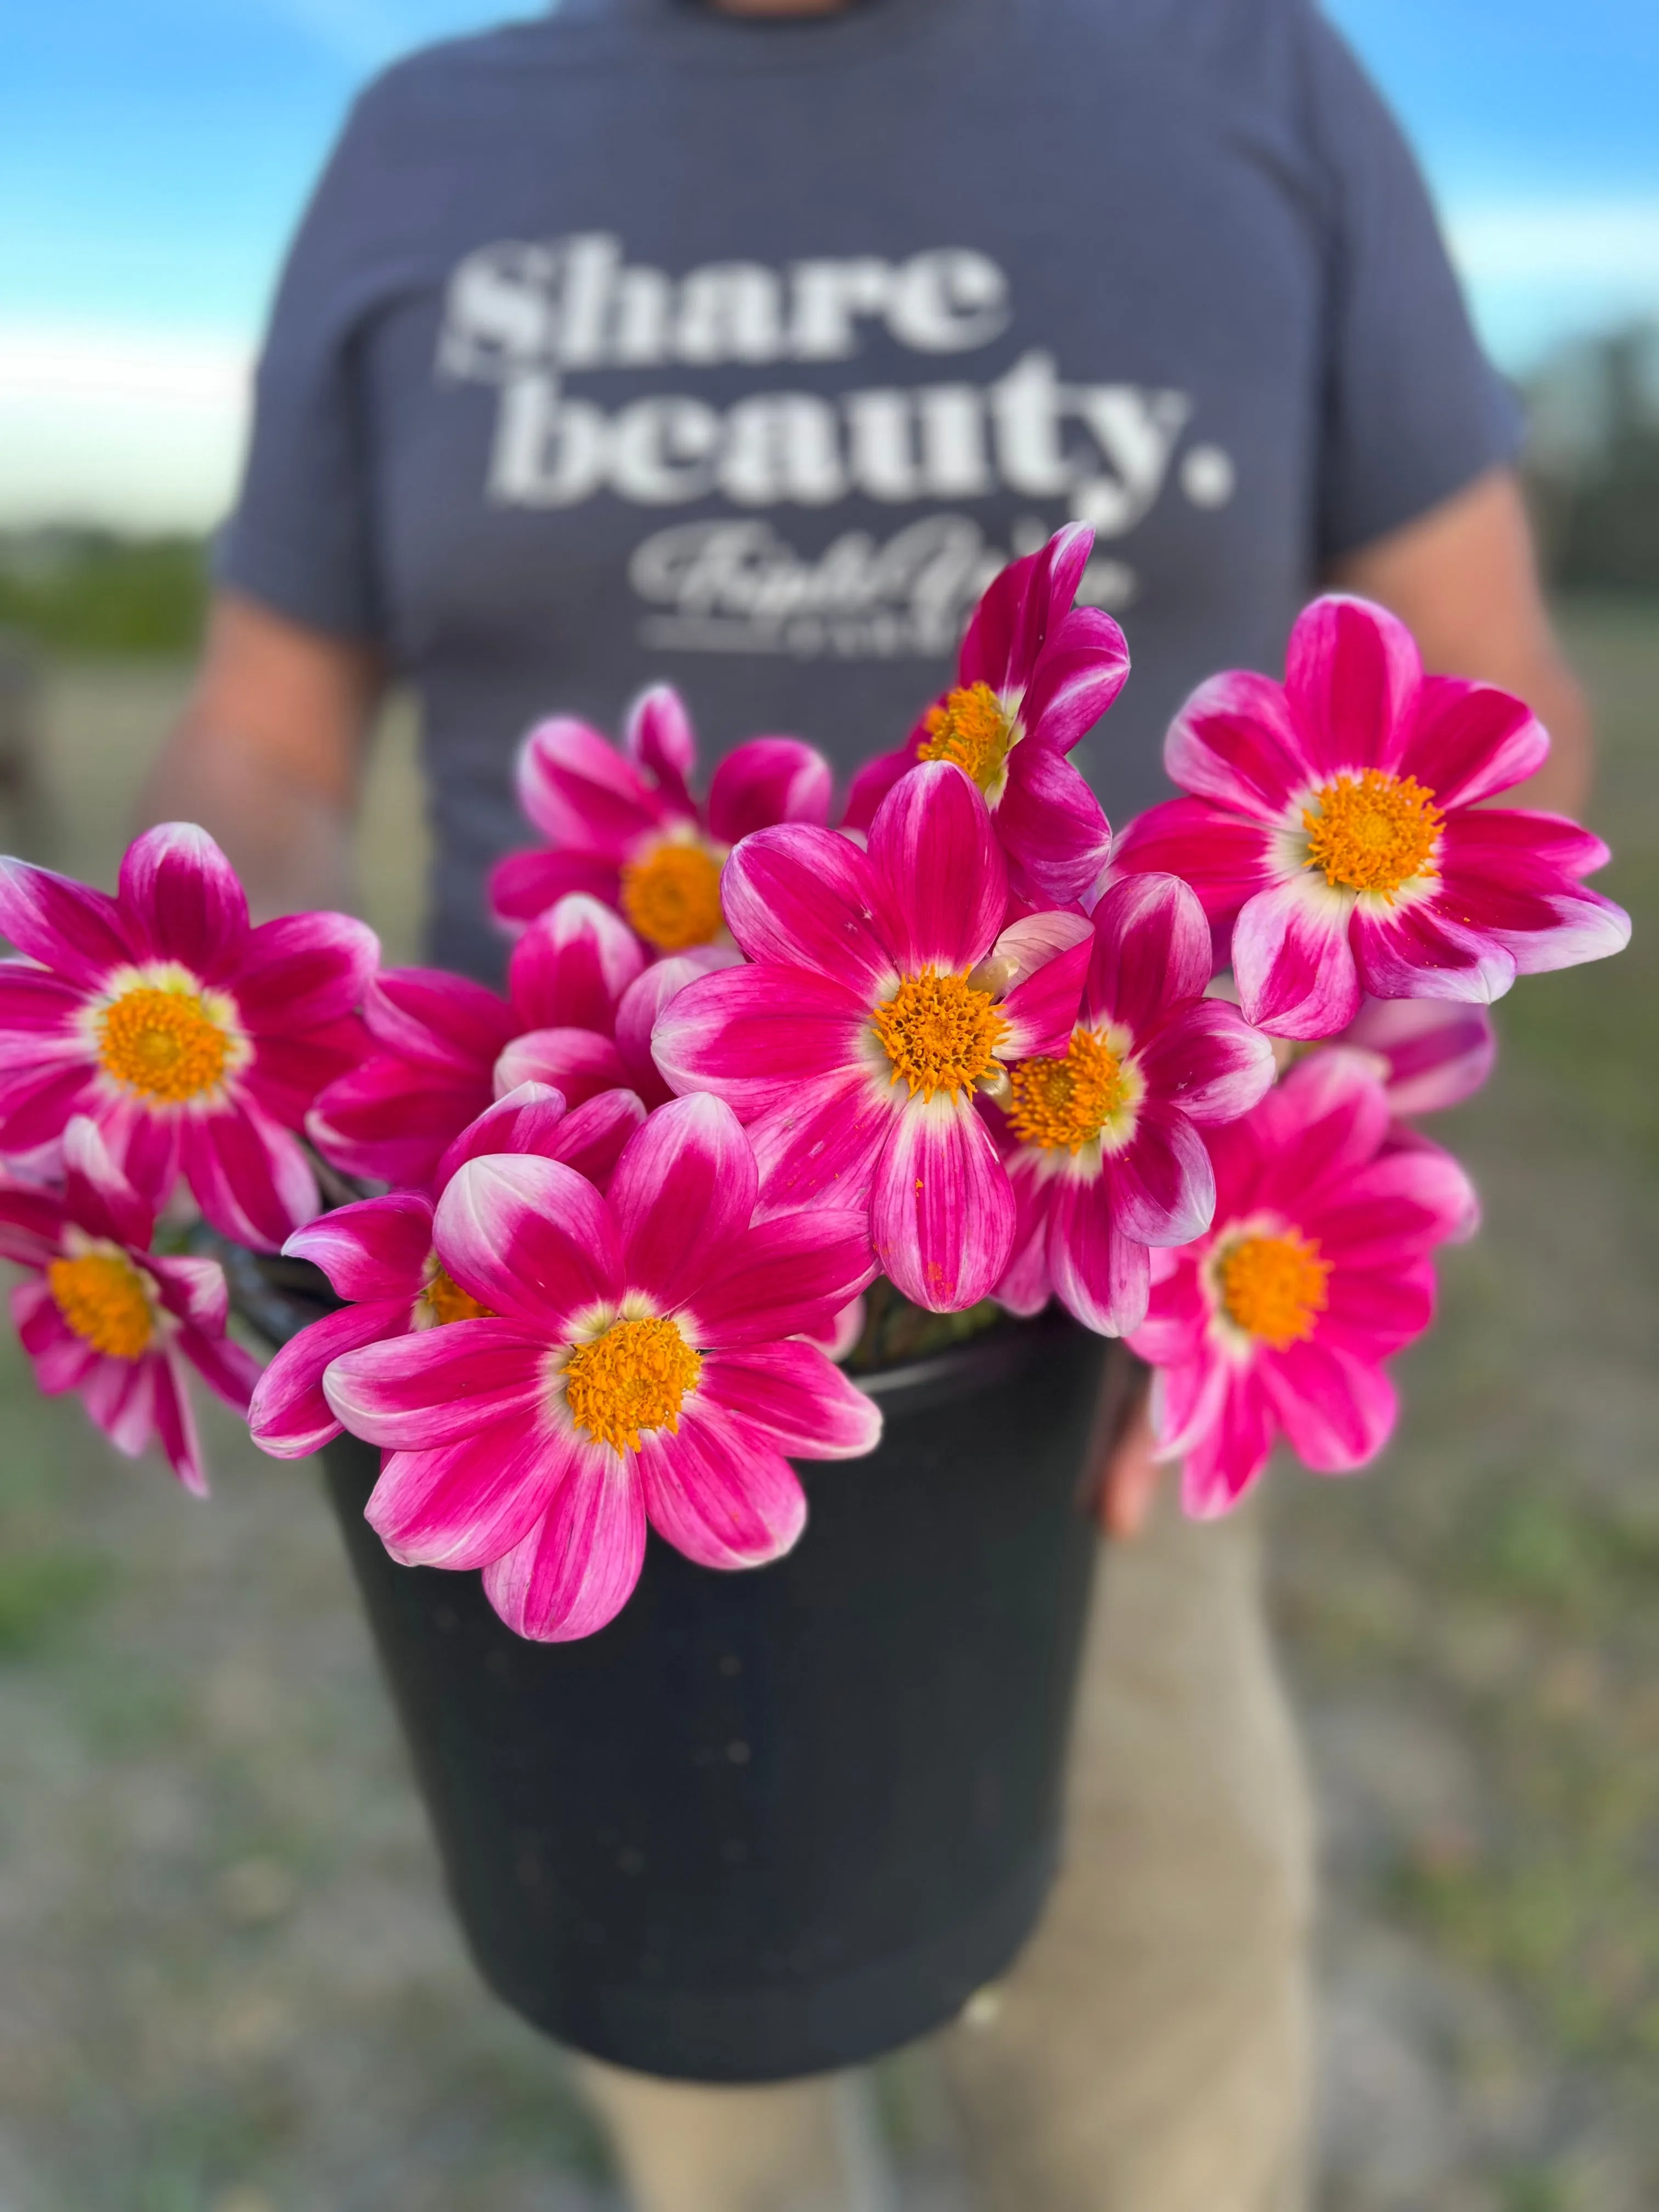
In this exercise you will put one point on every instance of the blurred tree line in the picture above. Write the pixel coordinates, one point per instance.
(1592, 468)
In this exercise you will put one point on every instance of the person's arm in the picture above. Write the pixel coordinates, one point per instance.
(268, 753)
(1464, 579)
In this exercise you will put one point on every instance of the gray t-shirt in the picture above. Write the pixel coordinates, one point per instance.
(640, 341)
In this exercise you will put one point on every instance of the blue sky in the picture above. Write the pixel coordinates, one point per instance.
(154, 154)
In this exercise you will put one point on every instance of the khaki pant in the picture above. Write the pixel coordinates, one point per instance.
(1148, 2051)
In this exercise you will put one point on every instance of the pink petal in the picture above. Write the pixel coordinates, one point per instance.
(942, 1214)
(192, 1289)
(31, 1224)
(1226, 860)
(755, 1036)
(438, 1385)
(1025, 1288)
(1324, 1123)
(145, 1146)
(768, 780)
(1415, 953)
(1235, 745)
(1152, 948)
(375, 1248)
(526, 1119)
(183, 895)
(1042, 1012)
(62, 1360)
(1162, 1184)
(424, 1014)
(96, 1193)
(1389, 1212)
(1337, 1411)
(577, 1568)
(1520, 842)
(576, 1063)
(683, 1187)
(579, 791)
(1373, 1314)
(1588, 928)
(525, 885)
(223, 1364)
(288, 1072)
(593, 1136)
(1206, 1059)
(1029, 942)
(820, 1146)
(871, 784)
(40, 1013)
(659, 739)
(1173, 1334)
(37, 1103)
(306, 969)
(289, 1417)
(1052, 827)
(644, 1000)
(1352, 678)
(806, 898)
(249, 1177)
(120, 1396)
(1083, 665)
(175, 1424)
(1292, 963)
(1436, 1054)
(797, 1397)
(393, 1119)
(528, 1238)
(788, 1276)
(1224, 1460)
(1019, 608)
(1470, 740)
(945, 884)
(468, 1503)
(77, 933)
(1101, 1276)
(570, 968)
(719, 1491)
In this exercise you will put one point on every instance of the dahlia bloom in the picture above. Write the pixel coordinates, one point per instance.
(1316, 1269)
(107, 1317)
(630, 1364)
(884, 994)
(193, 1039)
(448, 1046)
(379, 1254)
(1102, 1142)
(625, 827)
(1034, 676)
(1333, 826)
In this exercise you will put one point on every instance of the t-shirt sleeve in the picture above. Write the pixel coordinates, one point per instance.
(1412, 410)
(301, 538)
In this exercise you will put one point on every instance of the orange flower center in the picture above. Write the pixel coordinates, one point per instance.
(102, 1298)
(162, 1043)
(1273, 1287)
(1066, 1102)
(1372, 832)
(632, 1378)
(971, 729)
(939, 1033)
(672, 896)
(446, 1301)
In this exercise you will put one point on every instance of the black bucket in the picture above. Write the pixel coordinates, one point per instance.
(773, 1822)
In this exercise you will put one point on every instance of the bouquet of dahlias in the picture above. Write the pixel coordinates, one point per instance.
(597, 1250)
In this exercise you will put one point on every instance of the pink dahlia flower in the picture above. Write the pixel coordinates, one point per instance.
(1335, 827)
(1102, 1142)
(105, 1317)
(379, 1254)
(448, 1046)
(1034, 676)
(884, 995)
(624, 825)
(630, 1365)
(194, 1041)
(1316, 1269)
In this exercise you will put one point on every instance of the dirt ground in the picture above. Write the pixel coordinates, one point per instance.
(229, 1984)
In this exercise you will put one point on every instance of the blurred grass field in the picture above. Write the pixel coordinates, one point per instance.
(230, 1986)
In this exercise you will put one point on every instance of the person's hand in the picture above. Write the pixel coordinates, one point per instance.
(1130, 1480)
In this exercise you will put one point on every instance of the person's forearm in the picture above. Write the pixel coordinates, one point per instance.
(290, 843)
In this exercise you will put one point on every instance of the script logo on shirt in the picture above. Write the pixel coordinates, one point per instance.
(530, 318)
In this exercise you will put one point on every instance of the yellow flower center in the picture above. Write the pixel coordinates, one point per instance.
(446, 1301)
(672, 896)
(1066, 1102)
(972, 730)
(939, 1033)
(162, 1043)
(1273, 1287)
(1372, 832)
(631, 1379)
(102, 1298)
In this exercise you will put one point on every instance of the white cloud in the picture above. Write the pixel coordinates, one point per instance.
(130, 428)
